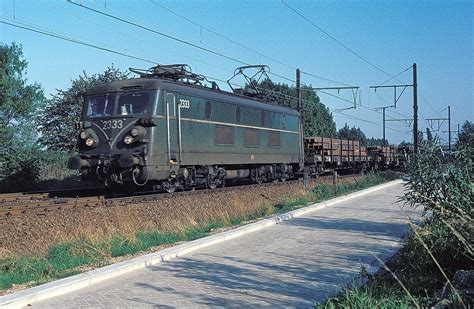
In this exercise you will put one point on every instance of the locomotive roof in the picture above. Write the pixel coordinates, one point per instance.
(189, 89)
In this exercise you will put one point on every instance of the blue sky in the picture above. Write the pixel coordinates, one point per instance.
(437, 35)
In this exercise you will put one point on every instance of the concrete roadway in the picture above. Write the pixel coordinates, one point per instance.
(292, 264)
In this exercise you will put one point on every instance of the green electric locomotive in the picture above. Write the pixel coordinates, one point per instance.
(165, 129)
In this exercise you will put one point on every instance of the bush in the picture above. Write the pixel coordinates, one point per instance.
(23, 168)
(441, 184)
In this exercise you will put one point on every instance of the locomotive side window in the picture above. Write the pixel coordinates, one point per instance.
(252, 137)
(262, 118)
(250, 117)
(238, 114)
(208, 109)
(100, 105)
(274, 139)
(133, 103)
(283, 121)
(224, 135)
(290, 122)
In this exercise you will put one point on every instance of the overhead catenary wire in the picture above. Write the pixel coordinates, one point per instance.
(190, 43)
(35, 29)
(73, 40)
(174, 38)
(335, 39)
(242, 45)
(352, 51)
(139, 39)
(158, 32)
(395, 77)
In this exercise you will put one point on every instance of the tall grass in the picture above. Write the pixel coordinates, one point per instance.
(370, 296)
(66, 258)
(440, 183)
(325, 191)
(69, 258)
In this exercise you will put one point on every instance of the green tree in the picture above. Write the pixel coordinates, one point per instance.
(352, 133)
(466, 135)
(376, 142)
(64, 109)
(405, 143)
(318, 120)
(429, 135)
(19, 105)
(420, 136)
(19, 101)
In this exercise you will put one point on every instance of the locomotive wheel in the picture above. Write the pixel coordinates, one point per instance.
(215, 177)
(169, 186)
(284, 172)
(260, 175)
(211, 181)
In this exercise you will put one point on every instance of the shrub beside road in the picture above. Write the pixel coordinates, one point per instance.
(435, 266)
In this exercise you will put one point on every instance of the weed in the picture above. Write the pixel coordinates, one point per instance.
(289, 205)
(369, 296)
(441, 184)
(66, 259)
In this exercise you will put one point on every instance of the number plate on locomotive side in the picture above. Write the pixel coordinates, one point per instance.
(184, 103)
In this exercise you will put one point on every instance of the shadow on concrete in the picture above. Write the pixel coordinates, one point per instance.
(368, 228)
(234, 281)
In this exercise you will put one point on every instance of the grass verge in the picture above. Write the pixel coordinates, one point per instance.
(66, 259)
(411, 279)
(435, 267)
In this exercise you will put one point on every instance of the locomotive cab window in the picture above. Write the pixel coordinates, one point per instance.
(133, 103)
(100, 105)
(128, 103)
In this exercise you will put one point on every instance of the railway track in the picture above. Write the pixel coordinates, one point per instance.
(16, 204)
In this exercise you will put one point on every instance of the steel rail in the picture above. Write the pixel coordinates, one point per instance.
(16, 204)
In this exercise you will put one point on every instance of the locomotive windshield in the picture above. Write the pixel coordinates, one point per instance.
(100, 105)
(119, 104)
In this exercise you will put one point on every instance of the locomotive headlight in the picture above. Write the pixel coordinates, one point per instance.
(84, 135)
(128, 140)
(90, 142)
(135, 132)
(138, 132)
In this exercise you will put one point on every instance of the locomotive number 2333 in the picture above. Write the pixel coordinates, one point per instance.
(112, 124)
(184, 103)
